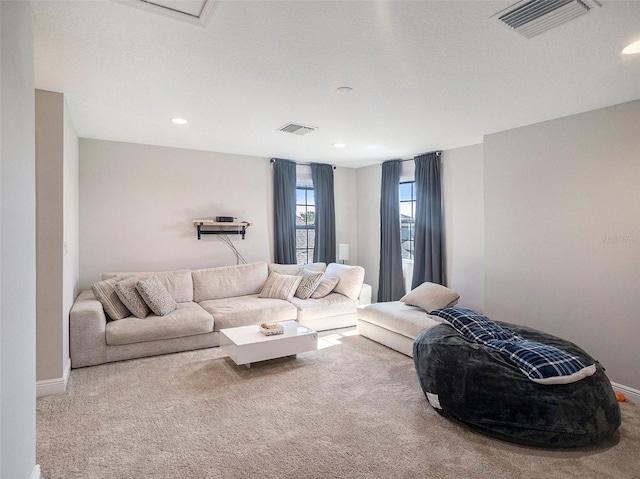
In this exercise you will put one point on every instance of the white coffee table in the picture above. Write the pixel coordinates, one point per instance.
(246, 344)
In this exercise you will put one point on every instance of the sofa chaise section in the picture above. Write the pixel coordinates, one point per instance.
(394, 324)
(397, 324)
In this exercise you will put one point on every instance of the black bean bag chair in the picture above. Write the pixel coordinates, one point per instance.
(475, 385)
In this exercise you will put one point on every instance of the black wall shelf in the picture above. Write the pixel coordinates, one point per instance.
(210, 227)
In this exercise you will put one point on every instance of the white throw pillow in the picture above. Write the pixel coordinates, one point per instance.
(351, 278)
(431, 296)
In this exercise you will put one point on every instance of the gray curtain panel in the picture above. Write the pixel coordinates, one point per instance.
(284, 211)
(390, 282)
(428, 261)
(324, 248)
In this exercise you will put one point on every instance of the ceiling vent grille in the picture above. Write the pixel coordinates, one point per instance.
(196, 12)
(532, 17)
(297, 129)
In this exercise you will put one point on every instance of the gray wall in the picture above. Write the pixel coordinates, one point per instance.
(463, 190)
(368, 226)
(463, 193)
(17, 244)
(138, 203)
(562, 235)
(57, 232)
(71, 243)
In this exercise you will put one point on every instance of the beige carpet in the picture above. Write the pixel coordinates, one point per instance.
(353, 409)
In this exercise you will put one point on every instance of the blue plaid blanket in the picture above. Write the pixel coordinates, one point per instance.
(539, 362)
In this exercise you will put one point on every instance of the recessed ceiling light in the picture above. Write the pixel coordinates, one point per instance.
(339, 145)
(179, 121)
(344, 90)
(632, 48)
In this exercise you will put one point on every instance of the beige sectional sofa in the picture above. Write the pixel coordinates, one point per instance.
(208, 300)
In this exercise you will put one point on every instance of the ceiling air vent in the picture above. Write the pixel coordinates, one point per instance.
(196, 12)
(532, 17)
(297, 129)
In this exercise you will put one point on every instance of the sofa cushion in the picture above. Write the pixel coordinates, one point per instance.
(105, 292)
(398, 317)
(156, 296)
(295, 269)
(291, 269)
(128, 294)
(332, 305)
(229, 281)
(351, 278)
(310, 281)
(280, 286)
(178, 283)
(246, 310)
(187, 320)
(431, 296)
(325, 287)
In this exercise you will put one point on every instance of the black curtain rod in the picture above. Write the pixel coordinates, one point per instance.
(438, 153)
(273, 160)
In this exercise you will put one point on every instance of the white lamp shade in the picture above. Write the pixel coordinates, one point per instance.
(343, 252)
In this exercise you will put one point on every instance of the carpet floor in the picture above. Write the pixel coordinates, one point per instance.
(352, 409)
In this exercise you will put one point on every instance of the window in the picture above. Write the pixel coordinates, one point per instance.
(305, 223)
(407, 218)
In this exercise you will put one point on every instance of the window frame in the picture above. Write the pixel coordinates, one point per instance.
(412, 231)
(309, 249)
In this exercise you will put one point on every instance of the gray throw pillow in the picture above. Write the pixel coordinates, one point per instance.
(156, 296)
(105, 292)
(128, 294)
(310, 281)
(325, 287)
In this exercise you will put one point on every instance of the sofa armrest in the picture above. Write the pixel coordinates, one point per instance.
(87, 331)
(365, 294)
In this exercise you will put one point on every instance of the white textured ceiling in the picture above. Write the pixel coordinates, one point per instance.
(425, 75)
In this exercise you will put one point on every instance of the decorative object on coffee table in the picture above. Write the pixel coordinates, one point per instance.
(271, 329)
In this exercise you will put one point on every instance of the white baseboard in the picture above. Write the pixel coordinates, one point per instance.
(47, 387)
(631, 394)
(35, 474)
